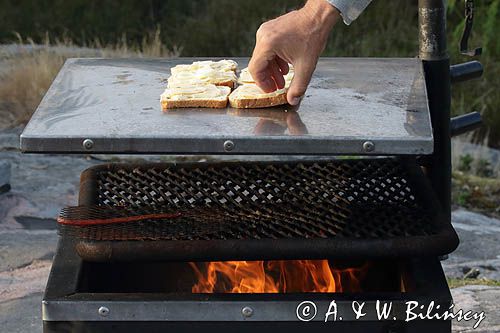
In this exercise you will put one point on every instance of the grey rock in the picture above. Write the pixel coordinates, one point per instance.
(477, 299)
(9, 139)
(41, 186)
(21, 315)
(36, 223)
(479, 246)
(20, 247)
(4, 173)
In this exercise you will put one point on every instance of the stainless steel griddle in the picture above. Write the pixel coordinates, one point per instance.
(353, 106)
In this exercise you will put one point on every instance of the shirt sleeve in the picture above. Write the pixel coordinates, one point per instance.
(350, 9)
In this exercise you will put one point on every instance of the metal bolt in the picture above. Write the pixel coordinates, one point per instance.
(247, 311)
(88, 144)
(228, 145)
(103, 311)
(368, 146)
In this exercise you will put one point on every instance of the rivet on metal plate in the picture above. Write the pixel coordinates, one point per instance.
(103, 311)
(247, 311)
(228, 145)
(368, 146)
(88, 144)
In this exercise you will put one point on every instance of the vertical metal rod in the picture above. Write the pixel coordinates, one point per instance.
(432, 51)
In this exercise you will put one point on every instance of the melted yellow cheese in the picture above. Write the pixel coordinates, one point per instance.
(200, 76)
(220, 66)
(207, 91)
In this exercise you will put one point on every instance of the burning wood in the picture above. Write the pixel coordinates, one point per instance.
(281, 276)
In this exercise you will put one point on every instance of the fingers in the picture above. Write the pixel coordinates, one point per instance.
(259, 68)
(276, 74)
(268, 78)
(266, 68)
(302, 77)
(283, 65)
(263, 79)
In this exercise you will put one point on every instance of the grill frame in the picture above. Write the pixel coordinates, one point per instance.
(66, 308)
(442, 242)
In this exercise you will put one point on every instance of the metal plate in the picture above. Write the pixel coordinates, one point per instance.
(114, 105)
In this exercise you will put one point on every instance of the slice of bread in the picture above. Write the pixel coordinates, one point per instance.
(246, 77)
(249, 96)
(203, 96)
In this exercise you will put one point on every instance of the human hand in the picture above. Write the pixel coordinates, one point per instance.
(297, 38)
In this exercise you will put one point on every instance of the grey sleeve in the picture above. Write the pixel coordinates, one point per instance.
(350, 9)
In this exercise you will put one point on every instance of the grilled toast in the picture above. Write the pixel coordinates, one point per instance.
(248, 96)
(203, 96)
(220, 73)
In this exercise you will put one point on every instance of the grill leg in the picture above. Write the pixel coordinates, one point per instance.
(432, 41)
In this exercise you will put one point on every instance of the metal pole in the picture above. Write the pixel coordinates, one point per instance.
(432, 51)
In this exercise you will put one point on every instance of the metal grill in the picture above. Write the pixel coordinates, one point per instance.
(345, 200)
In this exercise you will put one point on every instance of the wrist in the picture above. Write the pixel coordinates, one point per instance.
(322, 12)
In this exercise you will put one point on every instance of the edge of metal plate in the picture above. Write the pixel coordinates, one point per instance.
(262, 145)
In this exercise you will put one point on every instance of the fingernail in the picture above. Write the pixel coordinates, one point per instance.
(295, 100)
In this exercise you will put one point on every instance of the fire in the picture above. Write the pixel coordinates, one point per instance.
(280, 276)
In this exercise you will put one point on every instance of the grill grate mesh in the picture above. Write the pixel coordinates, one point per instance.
(361, 199)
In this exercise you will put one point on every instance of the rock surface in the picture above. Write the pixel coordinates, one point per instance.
(478, 299)
(4, 176)
(479, 247)
(22, 315)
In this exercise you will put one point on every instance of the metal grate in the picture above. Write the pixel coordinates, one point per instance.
(362, 199)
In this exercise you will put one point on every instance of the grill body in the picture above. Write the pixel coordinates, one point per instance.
(73, 303)
(67, 308)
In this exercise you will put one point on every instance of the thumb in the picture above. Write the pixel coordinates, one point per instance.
(301, 79)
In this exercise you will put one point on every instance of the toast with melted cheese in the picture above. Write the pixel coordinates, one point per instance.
(202, 95)
(201, 77)
(220, 73)
(209, 84)
(248, 96)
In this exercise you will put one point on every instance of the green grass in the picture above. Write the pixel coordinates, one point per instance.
(479, 194)
(455, 283)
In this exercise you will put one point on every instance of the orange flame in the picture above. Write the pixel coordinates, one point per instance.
(278, 276)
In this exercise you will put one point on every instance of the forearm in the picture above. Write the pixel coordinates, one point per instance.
(349, 9)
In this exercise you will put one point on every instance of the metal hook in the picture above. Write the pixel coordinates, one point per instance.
(469, 19)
